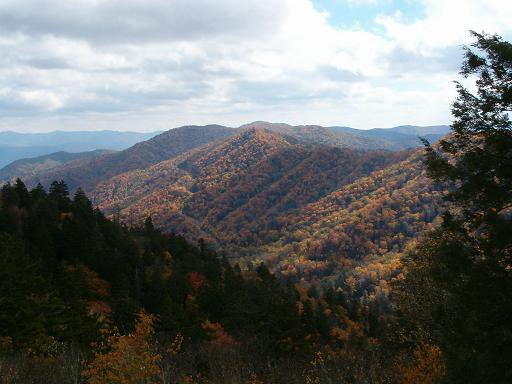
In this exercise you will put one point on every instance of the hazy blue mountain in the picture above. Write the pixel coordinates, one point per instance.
(398, 138)
(422, 131)
(15, 146)
(31, 167)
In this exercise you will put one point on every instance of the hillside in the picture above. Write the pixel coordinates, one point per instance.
(15, 146)
(31, 167)
(322, 214)
(255, 190)
(375, 217)
(73, 282)
(332, 223)
(174, 142)
(231, 191)
(87, 173)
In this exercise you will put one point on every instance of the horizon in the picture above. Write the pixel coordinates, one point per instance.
(139, 65)
(233, 127)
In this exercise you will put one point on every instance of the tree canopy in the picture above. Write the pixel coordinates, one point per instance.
(458, 289)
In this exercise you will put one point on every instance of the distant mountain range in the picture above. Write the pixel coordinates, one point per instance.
(391, 139)
(398, 138)
(15, 146)
(87, 171)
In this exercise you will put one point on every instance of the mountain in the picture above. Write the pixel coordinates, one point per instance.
(231, 191)
(313, 206)
(246, 188)
(371, 221)
(15, 146)
(296, 197)
(398, 138)
(421, 131)
(31, 167)
(87, 173)
(315, 134)
(167, 145)
(338, 216)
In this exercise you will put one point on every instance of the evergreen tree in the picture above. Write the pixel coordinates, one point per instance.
(458, 290)
(30, 310)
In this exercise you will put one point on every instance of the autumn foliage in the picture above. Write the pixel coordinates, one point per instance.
(126, 359)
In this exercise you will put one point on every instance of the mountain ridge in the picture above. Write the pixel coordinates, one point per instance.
(167, 144)
(256, 172)
(30, 167)
(15, 145)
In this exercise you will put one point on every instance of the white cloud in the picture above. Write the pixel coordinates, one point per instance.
(155, 64)
(446, 23)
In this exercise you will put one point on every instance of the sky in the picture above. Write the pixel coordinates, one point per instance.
(146, 65)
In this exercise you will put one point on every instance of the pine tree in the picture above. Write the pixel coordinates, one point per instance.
(30, 310)
(458, 289)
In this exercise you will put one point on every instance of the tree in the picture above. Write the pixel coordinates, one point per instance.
(30, 311)
(478, 154)
(59, 192)
(127, 359)
(458, 289)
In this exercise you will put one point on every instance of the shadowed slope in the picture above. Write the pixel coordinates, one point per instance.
(87, 174)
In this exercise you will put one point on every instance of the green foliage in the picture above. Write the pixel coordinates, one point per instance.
(458, 289)
(30, 309)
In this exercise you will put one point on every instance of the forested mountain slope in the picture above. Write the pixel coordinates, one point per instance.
(83, 297)
(376, 216)
(87, 174)
(235, 191)
(32, 167)
(293, 196)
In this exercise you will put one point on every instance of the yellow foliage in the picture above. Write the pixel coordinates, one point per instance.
(427, 367)
(127, 359)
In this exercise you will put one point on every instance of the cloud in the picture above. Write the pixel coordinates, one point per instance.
(129, 21)
(156, 64)
(446, 23)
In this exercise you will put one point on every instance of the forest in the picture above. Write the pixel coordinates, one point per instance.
(394, 268)
(86, 298)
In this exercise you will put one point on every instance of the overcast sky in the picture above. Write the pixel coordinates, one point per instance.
(156, 64)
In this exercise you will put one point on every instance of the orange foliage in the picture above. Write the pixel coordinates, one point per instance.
(220, 339)
(126, 359)
(427, 367)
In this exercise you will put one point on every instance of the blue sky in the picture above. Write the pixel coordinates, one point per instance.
(362, 14)
(148, 65)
